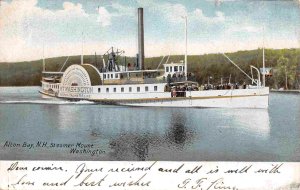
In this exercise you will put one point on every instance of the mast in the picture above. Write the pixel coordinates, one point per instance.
(44, 65)
(185, 57)
(264, 69)
(95, 59)
(81, 62)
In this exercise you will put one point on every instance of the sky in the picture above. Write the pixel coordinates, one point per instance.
(30, 29)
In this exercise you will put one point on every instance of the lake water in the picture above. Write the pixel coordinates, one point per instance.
(140, 133)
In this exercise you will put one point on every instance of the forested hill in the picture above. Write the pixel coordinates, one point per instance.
(285, 64)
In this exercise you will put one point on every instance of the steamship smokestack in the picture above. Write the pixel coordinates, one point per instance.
(141, 38)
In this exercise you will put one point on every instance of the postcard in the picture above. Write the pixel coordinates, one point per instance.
(149, 94)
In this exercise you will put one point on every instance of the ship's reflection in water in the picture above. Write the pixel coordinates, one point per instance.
(177, 132)
(166, 134)
(135, 146)
(130, 147)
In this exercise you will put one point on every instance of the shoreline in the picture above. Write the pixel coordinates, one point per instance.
(286, 91)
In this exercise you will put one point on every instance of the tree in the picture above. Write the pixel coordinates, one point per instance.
(285, 71)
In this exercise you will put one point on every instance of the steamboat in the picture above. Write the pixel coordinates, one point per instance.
(171, 86)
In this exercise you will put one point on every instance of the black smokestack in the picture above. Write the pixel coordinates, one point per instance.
(141, 38)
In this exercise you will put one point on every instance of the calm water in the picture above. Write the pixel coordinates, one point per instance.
(127, 133)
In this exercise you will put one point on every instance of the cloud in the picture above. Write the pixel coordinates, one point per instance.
(122, 10)
(24, 27)
(174, 12)
(219, 2)
(23, 24)
(117, 10)
(245, 28)
(171, 12)
(197, 15)
(70, 6)
(104, 17)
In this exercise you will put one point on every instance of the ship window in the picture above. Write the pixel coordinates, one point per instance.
(108, 76)
(175, 68)
(122, 89)
(115, 89)
(99, 90)
(130, 89)
(116, 76)
(146, 88)
(167, 69)
(107, 89)
(138, 89)
(104, 76)
(180, 68)
(111, 76)
(170, 69)
(155, 88)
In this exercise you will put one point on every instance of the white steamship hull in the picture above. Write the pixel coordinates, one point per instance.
(239, 98)
(233, 98)
(239, 101)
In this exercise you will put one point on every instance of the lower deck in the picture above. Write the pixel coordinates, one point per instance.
(156, 95)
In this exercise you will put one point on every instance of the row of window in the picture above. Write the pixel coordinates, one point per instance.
(108, 76)
(52, 86)
(176, 68)
(118, 76)
(122, 89)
